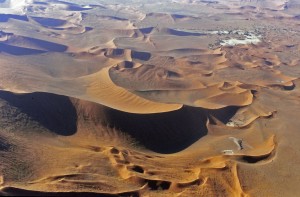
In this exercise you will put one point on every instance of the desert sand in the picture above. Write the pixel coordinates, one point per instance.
(150, 98)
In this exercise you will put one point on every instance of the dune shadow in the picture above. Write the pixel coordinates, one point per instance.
(54, 112)
(4, 145)
(114, 52)
(146, 30)
(14, 50)
(5, 17)
(13, 191)
(179, 16)
(168, 132)
(224, 115)
(144, 56)
(50, 46)
(49, 22)
(43, 45)
(88, 29)
(77, 8)
(40, 3)
(184, 33)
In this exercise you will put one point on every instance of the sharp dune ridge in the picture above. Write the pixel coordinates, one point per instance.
(111, 127)
(131, 98)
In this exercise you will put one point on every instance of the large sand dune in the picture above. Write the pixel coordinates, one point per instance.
(149, 98)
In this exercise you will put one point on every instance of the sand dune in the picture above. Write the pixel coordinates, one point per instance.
(117, 153)
(209, 98)
(7, 17)
(104, 91)
(31, 43)
(152, 98)
(127, 54)
(49, 22)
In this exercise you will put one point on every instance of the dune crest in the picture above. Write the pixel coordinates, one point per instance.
(103, 91)
(108, 137)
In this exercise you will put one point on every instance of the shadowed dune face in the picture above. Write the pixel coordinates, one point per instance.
(149, 98)
(22, 192)
(138, 168)
(14, 50)
(160, 132)
(54, 113)
(143, 56)
(22, 45)
(4, 146)
(157, 132)
(183, 33)
(49, 22)
(38, 43)
(6, 17)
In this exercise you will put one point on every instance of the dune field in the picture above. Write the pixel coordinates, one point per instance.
(150, 98)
